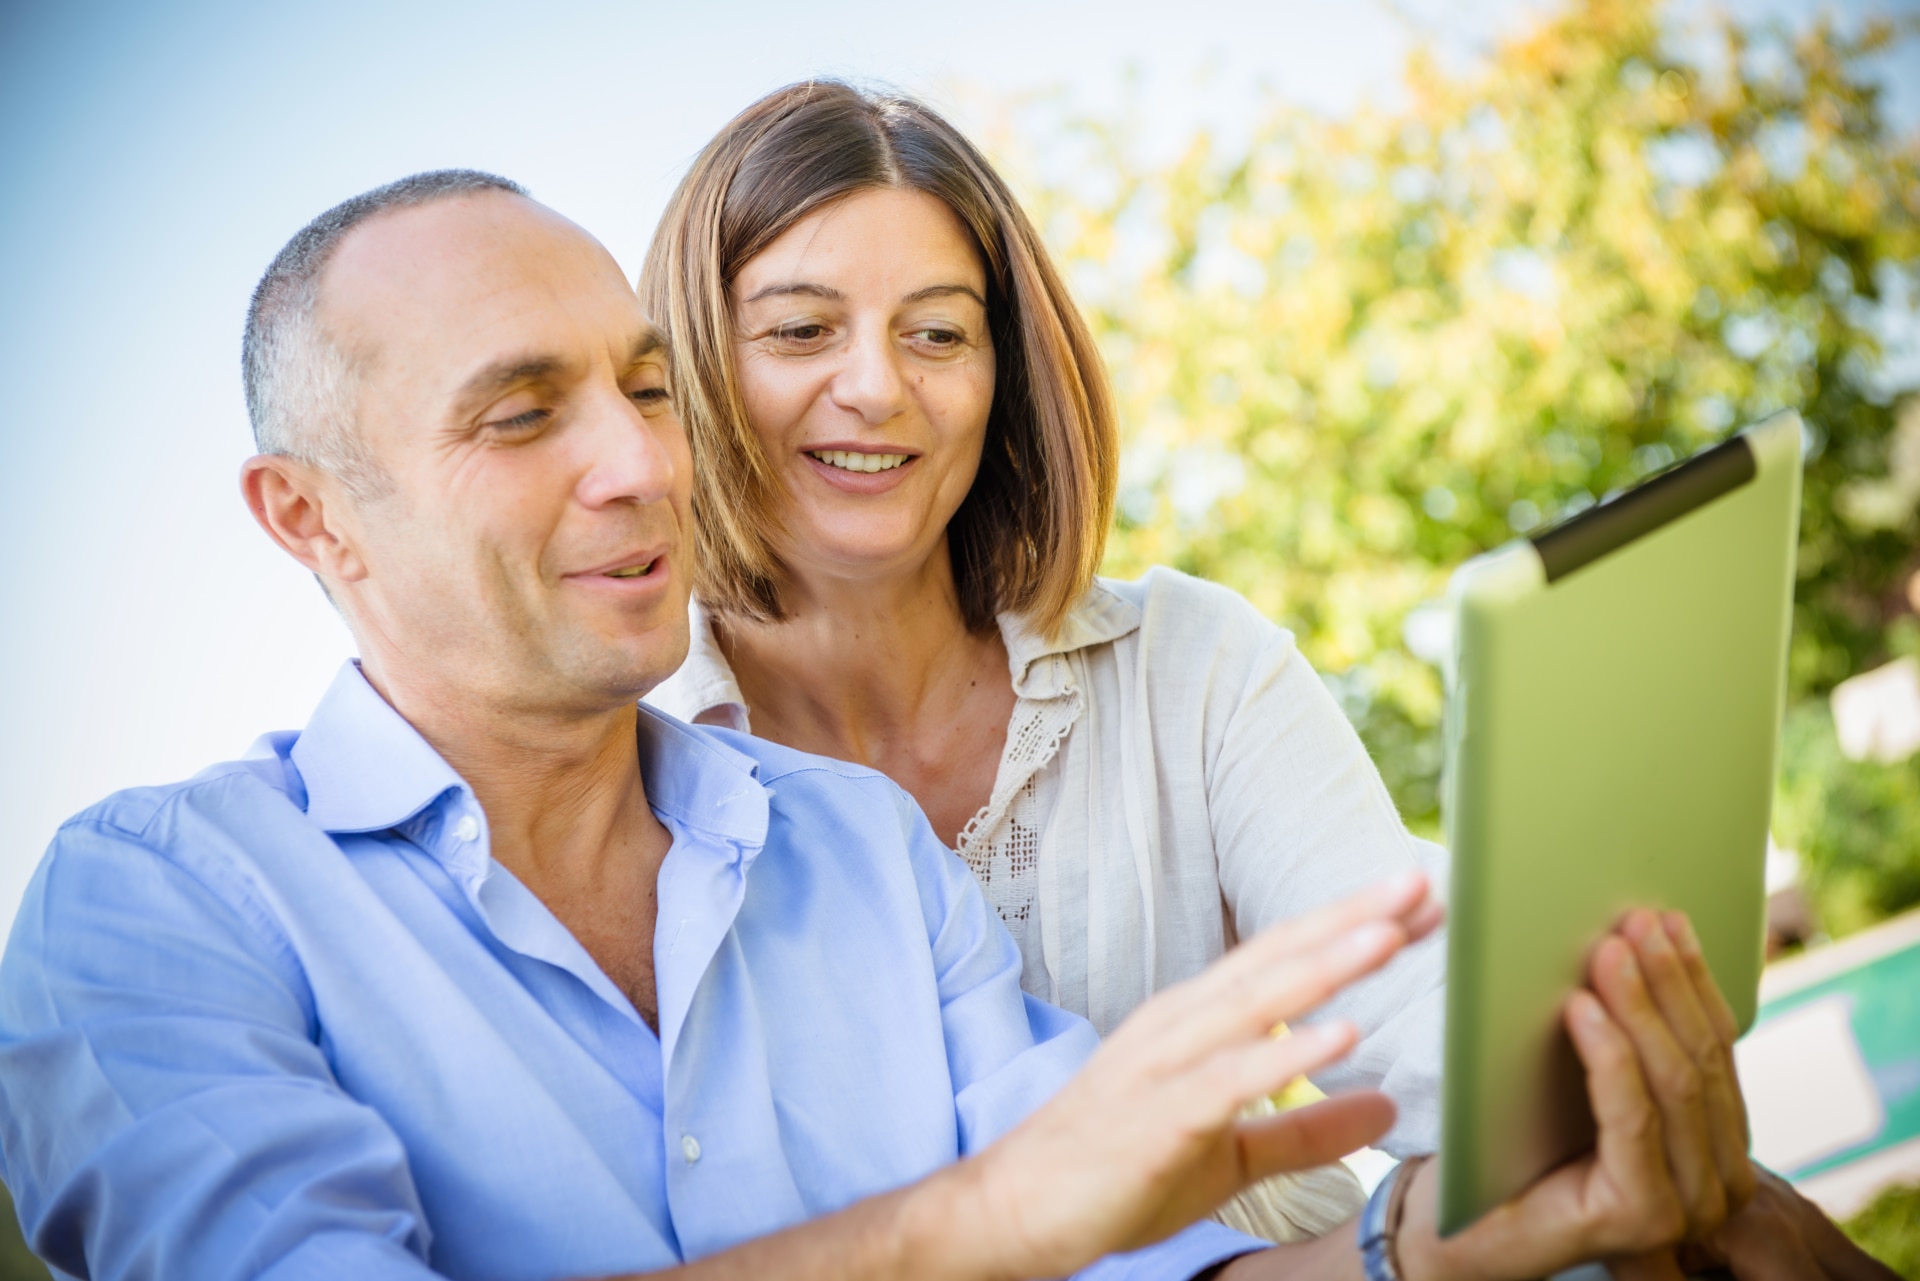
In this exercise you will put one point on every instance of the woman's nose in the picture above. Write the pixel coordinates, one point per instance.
(870, 382)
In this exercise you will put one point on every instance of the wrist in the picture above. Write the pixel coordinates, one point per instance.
(944, 1228)
(1418, 1249)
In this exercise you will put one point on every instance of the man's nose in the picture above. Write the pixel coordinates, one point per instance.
(627, 459)
(870, 382)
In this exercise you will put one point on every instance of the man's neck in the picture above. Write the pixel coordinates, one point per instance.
(566, 809)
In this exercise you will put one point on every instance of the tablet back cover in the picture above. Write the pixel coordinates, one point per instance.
(1612, 724)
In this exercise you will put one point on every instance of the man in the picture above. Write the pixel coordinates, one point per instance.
(490, 972)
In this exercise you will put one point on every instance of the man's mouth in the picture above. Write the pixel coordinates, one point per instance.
(847, 460)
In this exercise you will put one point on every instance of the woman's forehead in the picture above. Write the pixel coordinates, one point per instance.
(891, 239)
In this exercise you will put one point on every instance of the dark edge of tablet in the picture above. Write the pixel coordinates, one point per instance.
(1641, 510)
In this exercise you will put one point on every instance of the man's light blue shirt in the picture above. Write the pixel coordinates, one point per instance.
(290, 1019)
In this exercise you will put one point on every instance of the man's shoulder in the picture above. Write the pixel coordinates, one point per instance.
(776, 762)
(135, 811)
(819, 798)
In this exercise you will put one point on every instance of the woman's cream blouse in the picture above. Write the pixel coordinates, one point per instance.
(1175, 776)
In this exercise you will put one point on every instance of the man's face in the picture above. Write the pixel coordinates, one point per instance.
(534, 547)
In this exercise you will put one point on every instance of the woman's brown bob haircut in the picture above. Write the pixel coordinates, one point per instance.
(1028, 536)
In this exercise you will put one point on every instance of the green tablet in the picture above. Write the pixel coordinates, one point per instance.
(1613, 713)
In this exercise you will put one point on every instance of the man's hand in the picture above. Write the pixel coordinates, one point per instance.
(1148, 1137)
(1782, 1236)
(1656, 1038)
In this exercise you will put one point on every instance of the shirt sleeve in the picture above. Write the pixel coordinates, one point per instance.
(1010, 1052)
(165, 1106)
(1300, 819)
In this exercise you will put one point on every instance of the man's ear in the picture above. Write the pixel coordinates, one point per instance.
(303, 510)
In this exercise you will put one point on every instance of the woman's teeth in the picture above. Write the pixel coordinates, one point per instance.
(631, 571)
(847, 461)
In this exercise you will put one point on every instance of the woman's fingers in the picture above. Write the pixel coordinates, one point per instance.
(1671, 1076)
(1313, 1135)
(1424, 919)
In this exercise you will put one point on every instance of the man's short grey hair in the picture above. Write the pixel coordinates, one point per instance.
(299, 383)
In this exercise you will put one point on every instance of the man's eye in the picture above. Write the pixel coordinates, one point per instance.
(525, 422)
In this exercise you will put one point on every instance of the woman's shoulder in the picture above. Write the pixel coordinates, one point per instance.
(1176, 609)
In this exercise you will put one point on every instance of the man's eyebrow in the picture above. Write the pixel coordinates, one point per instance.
(945, 291)
(502, 374)
(650, 341)
(799, 288)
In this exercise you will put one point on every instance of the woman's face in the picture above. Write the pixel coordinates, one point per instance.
(861, 341)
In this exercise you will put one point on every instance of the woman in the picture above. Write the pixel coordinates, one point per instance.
(906, 470)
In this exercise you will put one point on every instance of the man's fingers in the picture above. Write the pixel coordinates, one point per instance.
(1383, 901)
(1243, 995)
(1671, 1076)
(1671, 984)
(1630, 1150)
(1652, 1265)
(1687, 995)
(1687, 944)
(1313, 1135)
(1216, 1090)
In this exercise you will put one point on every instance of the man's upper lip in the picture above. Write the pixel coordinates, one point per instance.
(627, 561)
(859, 447)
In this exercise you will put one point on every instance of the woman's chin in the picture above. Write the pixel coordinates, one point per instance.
(865, 553)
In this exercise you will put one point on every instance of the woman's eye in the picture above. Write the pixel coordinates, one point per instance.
(650, 397)
(801, 333)
(938, 337)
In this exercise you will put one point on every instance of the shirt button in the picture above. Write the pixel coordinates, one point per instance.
(467, 829)
(690, 1148)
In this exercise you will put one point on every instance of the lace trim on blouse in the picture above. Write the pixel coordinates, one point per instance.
(1001, 844)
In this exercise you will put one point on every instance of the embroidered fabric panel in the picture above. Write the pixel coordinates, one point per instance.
(1001, 844)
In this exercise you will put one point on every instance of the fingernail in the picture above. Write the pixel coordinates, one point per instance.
(1680, 930)
(1403, 882)
(1370, 938)
(1324, 1036)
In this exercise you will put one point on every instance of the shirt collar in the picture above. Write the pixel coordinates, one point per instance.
(707, 684)
(1098, 617)
(699, 781)
(366, 769)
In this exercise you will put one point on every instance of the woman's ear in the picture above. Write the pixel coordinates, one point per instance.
(305, 511)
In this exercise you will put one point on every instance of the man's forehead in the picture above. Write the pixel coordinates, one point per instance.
(469, 266)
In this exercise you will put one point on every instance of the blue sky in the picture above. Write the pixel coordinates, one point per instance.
(157, 156)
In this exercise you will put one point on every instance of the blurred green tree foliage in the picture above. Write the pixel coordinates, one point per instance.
(1351, 353)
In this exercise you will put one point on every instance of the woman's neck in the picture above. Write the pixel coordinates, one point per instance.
(885, 673)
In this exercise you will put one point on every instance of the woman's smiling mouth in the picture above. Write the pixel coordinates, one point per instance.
(848, 460)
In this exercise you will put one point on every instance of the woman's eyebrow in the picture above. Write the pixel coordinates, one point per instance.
(800, 288)
(945, 291)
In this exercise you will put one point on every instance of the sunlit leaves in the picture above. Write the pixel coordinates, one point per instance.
(1351, 353)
